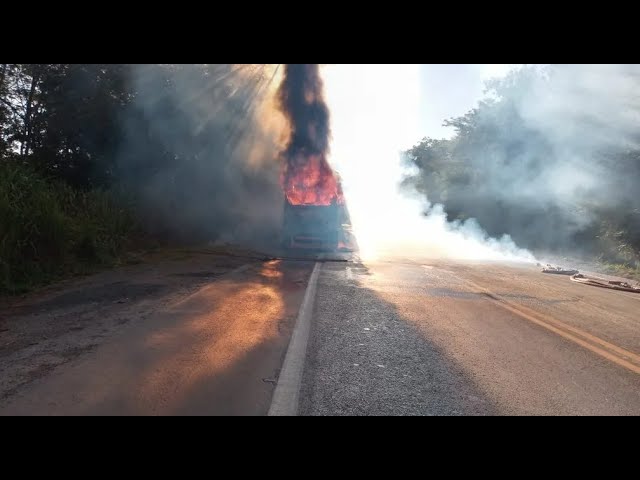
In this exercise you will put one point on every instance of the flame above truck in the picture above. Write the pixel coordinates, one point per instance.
(309, 180)
(315, 213)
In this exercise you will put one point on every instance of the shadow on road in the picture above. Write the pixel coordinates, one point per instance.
(366, 358)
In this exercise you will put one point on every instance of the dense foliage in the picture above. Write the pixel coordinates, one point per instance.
(86, 148)
(555, 167)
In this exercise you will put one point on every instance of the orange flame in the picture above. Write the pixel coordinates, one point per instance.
(309, 180)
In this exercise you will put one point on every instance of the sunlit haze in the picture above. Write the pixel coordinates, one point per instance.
(377, 111)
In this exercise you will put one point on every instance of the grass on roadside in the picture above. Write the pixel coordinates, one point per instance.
(48, 230)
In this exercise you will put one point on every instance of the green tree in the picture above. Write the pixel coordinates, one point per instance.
(509, 158)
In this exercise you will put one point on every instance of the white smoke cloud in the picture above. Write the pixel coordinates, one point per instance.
(375, 115)
(200, 152)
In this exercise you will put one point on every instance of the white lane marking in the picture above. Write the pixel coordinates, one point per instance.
(286, 395)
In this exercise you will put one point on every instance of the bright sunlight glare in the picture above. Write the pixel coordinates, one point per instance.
(375, 115)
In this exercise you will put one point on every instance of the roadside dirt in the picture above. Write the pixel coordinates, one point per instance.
(63, 323)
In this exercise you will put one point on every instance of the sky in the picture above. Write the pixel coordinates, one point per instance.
(450, 90)
(377, 111)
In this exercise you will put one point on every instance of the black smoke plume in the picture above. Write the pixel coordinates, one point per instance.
(306, 176)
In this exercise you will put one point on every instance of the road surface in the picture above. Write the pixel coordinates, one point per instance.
(409, 337)
(203, 335)
(208, 335)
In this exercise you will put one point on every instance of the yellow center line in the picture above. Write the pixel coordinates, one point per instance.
(621, 356)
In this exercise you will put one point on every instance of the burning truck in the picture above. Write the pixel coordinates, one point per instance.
(315, 213)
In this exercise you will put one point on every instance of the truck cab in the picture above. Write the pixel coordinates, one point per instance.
(313, 227)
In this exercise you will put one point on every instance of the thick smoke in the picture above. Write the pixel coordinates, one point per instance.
(199, 155)
(376, 115)
(306, 175)
(587, 114)
(301, 99)
(413, 227)
(556, 152)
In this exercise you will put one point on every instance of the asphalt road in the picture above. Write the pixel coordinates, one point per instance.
(208, 334)
(204, 335)
(420, 337)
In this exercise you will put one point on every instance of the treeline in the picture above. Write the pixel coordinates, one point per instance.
(551, 157)
(95, 156)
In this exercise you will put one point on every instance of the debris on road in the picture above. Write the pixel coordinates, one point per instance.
(559, 270)
(601, 282)
(578, 277)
